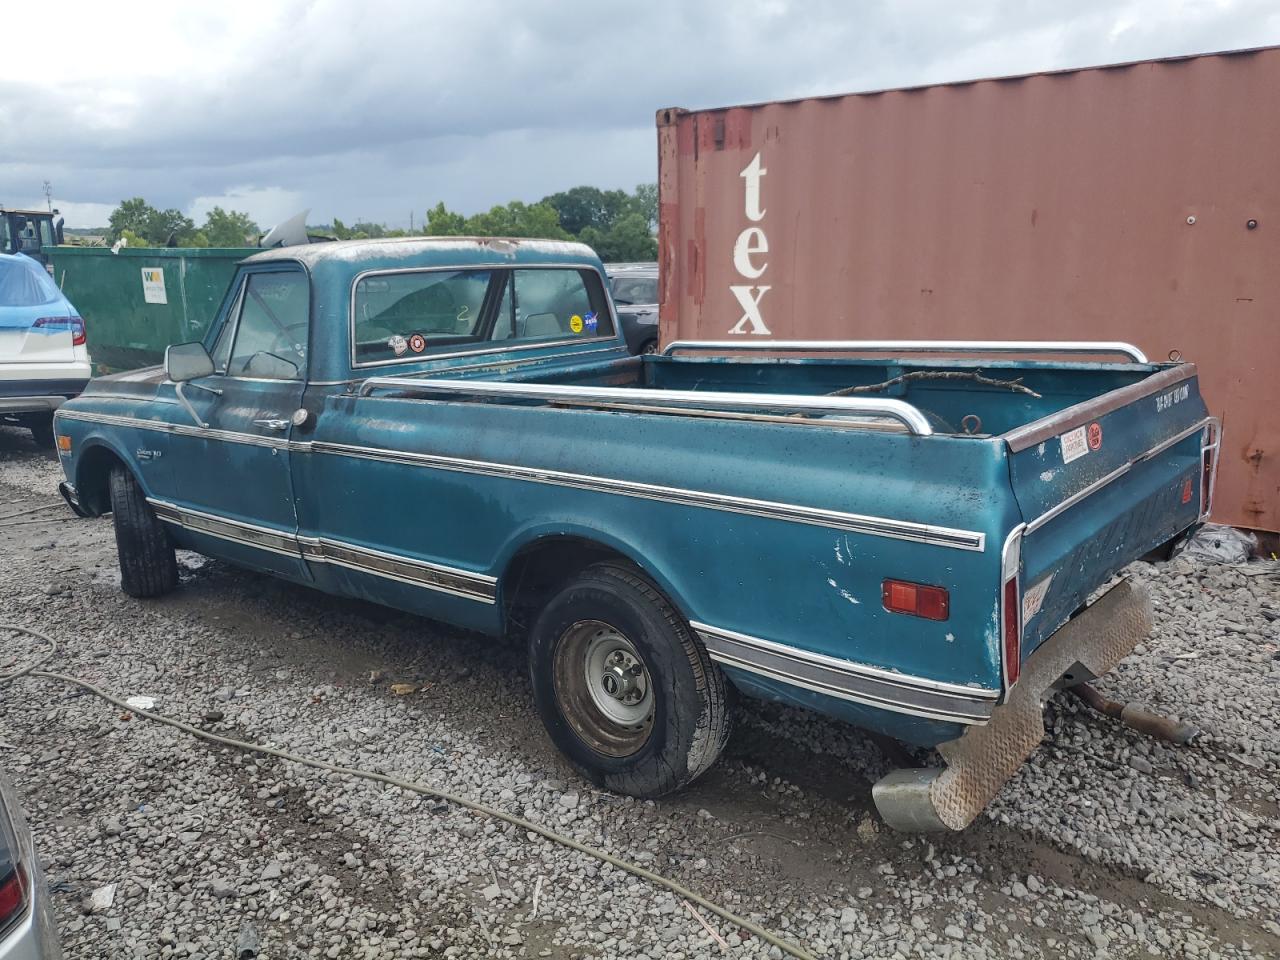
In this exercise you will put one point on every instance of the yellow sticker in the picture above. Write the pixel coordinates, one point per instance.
(575, 323)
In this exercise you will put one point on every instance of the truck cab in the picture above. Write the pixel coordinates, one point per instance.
(30, 232)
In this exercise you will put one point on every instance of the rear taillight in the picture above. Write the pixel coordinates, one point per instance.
(1012, 632)
(73, 324)
(13, 896)
(1011, 607)
(1208, 467)
(916, 599)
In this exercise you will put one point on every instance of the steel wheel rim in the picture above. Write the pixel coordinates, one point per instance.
(605, 691)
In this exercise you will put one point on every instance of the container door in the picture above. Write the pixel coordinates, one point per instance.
(231, 486)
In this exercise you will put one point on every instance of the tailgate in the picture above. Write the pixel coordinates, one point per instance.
(1103, 482)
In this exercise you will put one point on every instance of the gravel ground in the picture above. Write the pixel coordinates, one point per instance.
(1105, 845)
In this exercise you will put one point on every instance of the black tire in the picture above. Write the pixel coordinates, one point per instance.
(148, 567)
(41, 427)
(689, 719)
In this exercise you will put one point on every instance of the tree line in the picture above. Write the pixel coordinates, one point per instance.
(616, 224)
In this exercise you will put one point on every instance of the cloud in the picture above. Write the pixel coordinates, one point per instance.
(369, 111)
(266, 205)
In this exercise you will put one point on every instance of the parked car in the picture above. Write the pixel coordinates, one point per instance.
(635, 293)
(43, 357)
(26, 925)
(454, 427)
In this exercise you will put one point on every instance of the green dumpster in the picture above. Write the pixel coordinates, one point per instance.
(138, 301)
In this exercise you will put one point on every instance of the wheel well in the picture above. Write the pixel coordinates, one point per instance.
(540, 568)
(93, 475)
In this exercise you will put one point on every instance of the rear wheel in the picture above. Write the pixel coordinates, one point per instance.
(624, 688)
(148, 566)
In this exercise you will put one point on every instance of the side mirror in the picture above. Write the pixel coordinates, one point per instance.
(187, 361)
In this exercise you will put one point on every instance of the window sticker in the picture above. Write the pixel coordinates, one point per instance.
(1033, 599)
(575, 323)
(1074, 444)
(417, 342)
(591, 322)
(398, 344)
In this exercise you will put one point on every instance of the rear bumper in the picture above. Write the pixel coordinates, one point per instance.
(38, 395)
(984, 758)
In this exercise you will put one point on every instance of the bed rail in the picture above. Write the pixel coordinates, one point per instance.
(1075, 347)
(673, 401)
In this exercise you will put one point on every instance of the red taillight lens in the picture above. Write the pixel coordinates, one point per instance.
(13, 895)
(74, 324)
(916, 599)
(1012, 614)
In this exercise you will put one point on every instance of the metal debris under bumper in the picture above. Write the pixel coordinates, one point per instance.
(980, 762)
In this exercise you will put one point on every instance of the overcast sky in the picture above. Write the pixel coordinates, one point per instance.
(371, 109)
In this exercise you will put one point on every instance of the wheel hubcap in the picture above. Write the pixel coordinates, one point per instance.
(604, 688)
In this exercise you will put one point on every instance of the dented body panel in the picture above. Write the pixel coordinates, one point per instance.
(772, 533)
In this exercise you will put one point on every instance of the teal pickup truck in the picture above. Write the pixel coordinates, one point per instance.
(904, 535)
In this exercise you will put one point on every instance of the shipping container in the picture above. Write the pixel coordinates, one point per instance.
(136, 301)
(1138, 202)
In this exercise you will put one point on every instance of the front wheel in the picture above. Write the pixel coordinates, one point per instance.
(148, 566)
(624, 688)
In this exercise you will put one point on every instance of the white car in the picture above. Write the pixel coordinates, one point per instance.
(44, 360)
(26, 924)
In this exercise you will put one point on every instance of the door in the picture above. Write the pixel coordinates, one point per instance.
(230, 480)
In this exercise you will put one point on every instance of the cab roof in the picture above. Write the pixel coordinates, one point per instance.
(429, 251)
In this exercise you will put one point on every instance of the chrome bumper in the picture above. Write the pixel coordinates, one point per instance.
(980, 762)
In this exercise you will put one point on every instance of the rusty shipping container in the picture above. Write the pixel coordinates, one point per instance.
(1138, 202)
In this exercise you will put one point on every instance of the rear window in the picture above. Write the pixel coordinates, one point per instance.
(24, 283)
(629, 290)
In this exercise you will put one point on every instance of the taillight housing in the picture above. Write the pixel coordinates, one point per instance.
(15, 884)
(1209, 446)
(1011, 608)
(915, 599)
(74, 324)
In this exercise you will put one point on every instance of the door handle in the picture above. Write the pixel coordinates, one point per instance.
(273, 424)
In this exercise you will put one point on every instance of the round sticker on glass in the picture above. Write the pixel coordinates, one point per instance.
(1095, 435)
(398, 345)
(417, 343)
(575, 323)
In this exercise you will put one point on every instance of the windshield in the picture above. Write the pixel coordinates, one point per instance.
(628, 290)
(24, 283)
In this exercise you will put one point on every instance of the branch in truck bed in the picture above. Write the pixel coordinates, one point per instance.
(1015, 385)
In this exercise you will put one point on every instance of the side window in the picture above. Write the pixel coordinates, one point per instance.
(271, 336)
(557, 304)
(221, 351)
(400, 315)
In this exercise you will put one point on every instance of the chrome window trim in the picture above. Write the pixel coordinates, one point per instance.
(815, 516)
(1047, 428)
(421, 573)
(615, 341)
(1079, 347)
(1116, 474)
(847, 680)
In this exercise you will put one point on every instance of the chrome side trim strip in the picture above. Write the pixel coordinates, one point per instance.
(1116, 474)
(177, 429)
(237, 531)
(1080, 347)
(1038, 431)
(906, 414)
(838, 520)
(846, 680)
(419, 573)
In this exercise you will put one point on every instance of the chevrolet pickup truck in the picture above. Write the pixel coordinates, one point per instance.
(910, 536)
